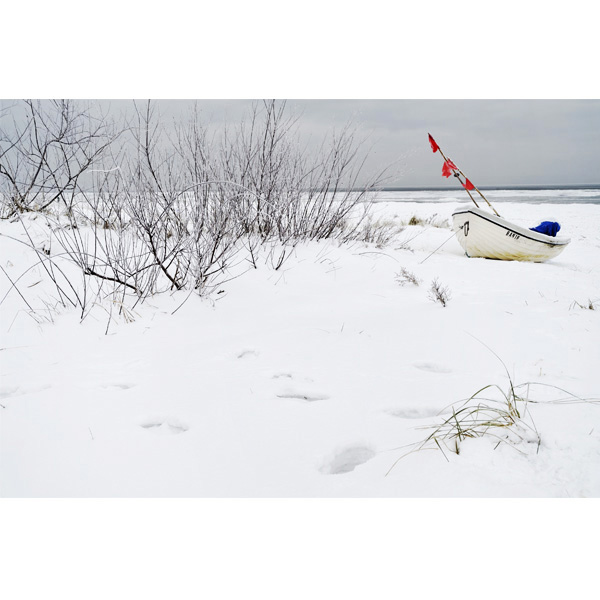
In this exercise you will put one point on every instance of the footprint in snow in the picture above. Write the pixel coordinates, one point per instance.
(303, 395)
(347, 460)
(431, 367)
(286, 375)
(247, 353)
(6, 392)
(117, 386)
(166, 426)
(414, 413)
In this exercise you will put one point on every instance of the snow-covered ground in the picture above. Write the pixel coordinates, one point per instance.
(312, 380)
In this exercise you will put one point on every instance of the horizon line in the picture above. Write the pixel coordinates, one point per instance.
(414, 188)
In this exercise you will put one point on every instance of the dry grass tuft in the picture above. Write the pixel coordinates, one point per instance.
(505, 418)
(432, 221)
(591, 304)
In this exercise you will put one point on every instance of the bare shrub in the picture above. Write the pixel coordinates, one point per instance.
(406, 277)
(139, 229)
(45, 153)
(439, 293)
(160, 213)
(261, 158)
(185, 230)
(287, 194)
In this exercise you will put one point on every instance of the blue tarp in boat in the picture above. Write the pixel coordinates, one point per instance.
(547, 228)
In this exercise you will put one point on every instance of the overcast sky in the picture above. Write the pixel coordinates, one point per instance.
(494, 142)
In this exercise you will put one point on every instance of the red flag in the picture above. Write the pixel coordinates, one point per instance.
(468, 185)
(434, 146)
(448, 167)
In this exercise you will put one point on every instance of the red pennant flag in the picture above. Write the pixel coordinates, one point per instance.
(434, 146)
(448, 167)
(468, 185)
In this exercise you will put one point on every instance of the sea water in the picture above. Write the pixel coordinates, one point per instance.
(529, 195)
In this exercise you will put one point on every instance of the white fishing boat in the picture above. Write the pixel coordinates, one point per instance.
(486, 235)
(483, 234)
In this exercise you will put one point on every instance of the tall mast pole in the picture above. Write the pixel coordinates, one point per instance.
(457, 171)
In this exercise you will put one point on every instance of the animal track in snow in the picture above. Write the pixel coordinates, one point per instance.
(166, 426)
(348, 459)
(431, 367)
(245, 353)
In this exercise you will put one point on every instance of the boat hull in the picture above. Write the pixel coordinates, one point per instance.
(482, 234)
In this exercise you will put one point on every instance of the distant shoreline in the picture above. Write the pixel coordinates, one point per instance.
(587, 186)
